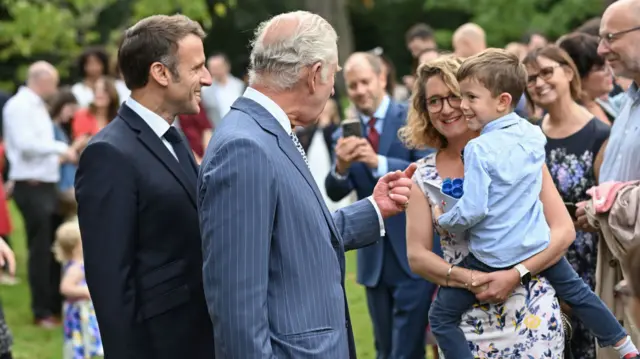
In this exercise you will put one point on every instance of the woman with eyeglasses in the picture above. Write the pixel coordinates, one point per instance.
(524, 319)
(574, 138)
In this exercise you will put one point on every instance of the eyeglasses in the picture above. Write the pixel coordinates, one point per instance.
(545, 73)
(611, 37)
(435, 104)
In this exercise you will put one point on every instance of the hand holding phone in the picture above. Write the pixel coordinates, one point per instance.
(351, 127)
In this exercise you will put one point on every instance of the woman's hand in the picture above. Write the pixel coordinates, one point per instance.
(7, 257)
(499, 285)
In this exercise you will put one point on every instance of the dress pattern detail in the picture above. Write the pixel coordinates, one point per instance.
(526, 326)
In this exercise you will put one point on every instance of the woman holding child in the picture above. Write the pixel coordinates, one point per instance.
(528, 322)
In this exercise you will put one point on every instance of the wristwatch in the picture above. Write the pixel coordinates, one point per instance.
(525, 275)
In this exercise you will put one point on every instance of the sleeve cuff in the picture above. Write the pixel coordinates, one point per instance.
(380, 219)
(383, 167)
(61, 147)
(338, 176)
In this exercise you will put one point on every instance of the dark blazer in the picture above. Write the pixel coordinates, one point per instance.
(274, 264)
(141, 239)
(360, 178)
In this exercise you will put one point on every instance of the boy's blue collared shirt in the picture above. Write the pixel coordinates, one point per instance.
(500, 206)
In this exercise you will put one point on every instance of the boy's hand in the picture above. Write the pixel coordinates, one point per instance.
(436, 212)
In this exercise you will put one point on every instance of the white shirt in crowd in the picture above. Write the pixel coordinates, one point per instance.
(31, 147)
(83, 94)
(219, 97)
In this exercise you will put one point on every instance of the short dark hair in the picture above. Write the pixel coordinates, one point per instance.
(219, 54)
(419, 31)
(583, 50)
(97, 52)
(498, 70)
(591, 27)
(153, 39)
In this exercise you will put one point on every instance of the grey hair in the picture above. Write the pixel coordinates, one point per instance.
(279, 61)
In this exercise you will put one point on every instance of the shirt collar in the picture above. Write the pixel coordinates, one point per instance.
(31, 95)
(158, 125)
(634, 92)
(273, 108)
(502, 122)
(381, 111)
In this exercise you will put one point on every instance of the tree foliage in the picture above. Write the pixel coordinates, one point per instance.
(55, 30)
(508, 20)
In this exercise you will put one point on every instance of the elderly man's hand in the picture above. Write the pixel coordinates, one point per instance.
(393, 191)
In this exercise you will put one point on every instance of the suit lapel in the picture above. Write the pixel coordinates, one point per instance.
(155, 145)
(389, 130)
(271, 125)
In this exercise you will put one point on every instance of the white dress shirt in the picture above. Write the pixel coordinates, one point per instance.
(158, 125)
(32, 150)
(278, 113)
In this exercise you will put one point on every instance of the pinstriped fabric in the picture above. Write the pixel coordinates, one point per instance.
(273, 272)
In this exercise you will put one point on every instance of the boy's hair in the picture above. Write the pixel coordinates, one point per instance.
(67, 239)
(497, 70)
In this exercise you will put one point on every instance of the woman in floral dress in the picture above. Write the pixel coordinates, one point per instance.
(574, 139)
(526, 323)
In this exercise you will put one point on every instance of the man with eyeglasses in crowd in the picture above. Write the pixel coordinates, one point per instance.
(620, 46)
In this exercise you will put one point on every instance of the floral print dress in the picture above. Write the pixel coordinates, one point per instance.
(527, 326)
(570, 161)
(81, 333)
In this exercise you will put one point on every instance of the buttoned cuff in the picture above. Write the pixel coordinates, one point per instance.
(380, 219)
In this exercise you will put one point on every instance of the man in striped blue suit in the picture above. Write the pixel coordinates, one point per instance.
(273, 254)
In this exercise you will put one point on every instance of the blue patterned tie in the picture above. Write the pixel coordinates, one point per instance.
(296, 142)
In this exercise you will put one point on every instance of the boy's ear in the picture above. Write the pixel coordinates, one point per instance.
(504, 102)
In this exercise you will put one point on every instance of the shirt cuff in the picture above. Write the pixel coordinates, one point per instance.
(61, 147)
(383, 167)
(380, 219)
(338, 176)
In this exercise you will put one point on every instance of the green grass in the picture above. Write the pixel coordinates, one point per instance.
(34, 343)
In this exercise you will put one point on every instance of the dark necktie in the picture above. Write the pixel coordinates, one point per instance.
(373, 135)
(181, 151)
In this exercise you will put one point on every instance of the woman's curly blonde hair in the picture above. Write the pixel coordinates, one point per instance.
(419, 132)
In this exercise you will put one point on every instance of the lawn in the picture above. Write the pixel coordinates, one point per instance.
(34, 343)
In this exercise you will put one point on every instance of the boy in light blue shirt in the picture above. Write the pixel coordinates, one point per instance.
(500, 206)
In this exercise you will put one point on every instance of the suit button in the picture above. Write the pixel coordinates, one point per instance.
(613, 263)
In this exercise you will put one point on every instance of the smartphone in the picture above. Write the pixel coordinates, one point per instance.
(351, 127)
(571, 207)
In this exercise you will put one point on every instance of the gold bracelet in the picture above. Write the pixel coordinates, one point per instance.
(446, 283)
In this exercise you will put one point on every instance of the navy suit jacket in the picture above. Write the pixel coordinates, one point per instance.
(274, 262)
(361, 178)
(141, 241)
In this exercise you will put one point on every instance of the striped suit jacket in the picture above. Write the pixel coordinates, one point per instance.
(273, 255)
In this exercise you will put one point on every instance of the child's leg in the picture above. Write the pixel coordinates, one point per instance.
(446, 313)
(584, 303)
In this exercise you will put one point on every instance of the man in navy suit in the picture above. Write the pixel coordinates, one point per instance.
(398, 300)
(136, 193)
(274, 262)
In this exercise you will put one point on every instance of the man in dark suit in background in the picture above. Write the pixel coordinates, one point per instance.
(135, 188)
(398, 300)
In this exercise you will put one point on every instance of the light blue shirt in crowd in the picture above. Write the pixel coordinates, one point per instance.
(500, 206)
(379, 115)
(621, 161)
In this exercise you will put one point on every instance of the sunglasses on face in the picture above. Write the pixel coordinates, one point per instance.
(545, 73)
